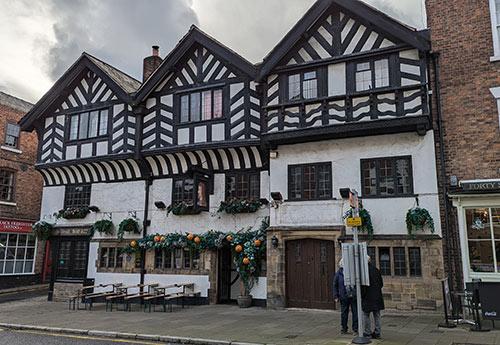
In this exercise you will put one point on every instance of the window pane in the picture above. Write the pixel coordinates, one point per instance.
(325, 181)
(9, 267)
(195, 107)
(12, 240)
(104, 258)
(158, 258)
(73, 130)
(178, 191)
(202, 194)
(310, 183)
(30, 253)
(382, 73)
(254, 186)
(84, 126)
(384, 259)
(6, 185)
(28, 267)
(495, 215)
(119, 259)
(217, 104)
(478, 224)
(12, 135)
(168, 259)
(178, 258)
(19, 267)
(31, 241)
(2, 253)
(481, 256)
(403, 181)
(187, 258)
(230, 187)
(195, 255)
(103, 122)
(294, 87)
(207, 105)
(399, 254)
(185, 108)
(363, 77)
(369, 177)
(20, 252)
(386, 173)
(111, 257)
(415, 262)
(10, 253)
(310, 89)
(188, 191)
(295, 183)
(3, 239)
(1, 266)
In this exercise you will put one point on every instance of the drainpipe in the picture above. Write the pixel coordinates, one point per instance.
(145, 224)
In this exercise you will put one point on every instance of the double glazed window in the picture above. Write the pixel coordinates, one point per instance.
(310, 181)
(303, 86)
(110, 258)
(17, 254)
(483, 237)
(12, 133)
(179, 258)
(77, 195)
(6, 185)
(243, 186)
(88, 125)
(372, 74)
(191, 191)
(200, 106)
(386, 177)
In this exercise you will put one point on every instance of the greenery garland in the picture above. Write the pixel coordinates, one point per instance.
(103, 227)
(75, 212)
(235, 206)
(129, 225)
(181, 209)
(418, 219)
(366, 220)
(42, 230)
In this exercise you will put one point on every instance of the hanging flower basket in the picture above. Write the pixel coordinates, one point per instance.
(182, 209)
(75, 212)
(235, 206)
(366, 220)
(129, 225)
(103, 227)
(418, 219)
(42, 230)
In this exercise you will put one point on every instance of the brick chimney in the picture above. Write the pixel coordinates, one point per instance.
(151, 63)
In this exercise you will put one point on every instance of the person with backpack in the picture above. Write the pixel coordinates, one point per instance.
(346, 295)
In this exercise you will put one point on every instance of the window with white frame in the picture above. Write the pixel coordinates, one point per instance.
(495, 91)
(12, 133)
(483, 239)
(495, 27)
(17, 254)
(372, 74)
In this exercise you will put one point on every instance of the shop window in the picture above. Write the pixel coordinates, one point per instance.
(483, 237)
(12, 133)
(415, 262)
(243, 186)
(77, 195)
(303, 86)
(384, 259)
(17, 254)
(110, 258)
(399, 254)
(310, 181)
(7, 185)
(199, 106)
(372, 74)
(387, 177)
(88, 125)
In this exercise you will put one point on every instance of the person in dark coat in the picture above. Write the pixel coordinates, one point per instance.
(372, 302)
(347, 297)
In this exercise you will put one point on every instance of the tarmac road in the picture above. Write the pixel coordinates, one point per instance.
(38, 338)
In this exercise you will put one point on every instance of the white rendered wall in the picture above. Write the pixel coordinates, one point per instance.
(388, 215)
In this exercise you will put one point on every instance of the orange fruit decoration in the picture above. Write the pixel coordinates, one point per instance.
(133, 244)
(238, 248)
(162, 239)
(257, 243)
(246, 261)
(229, 238)
(157, 238)
(197, 240)
(190, 237)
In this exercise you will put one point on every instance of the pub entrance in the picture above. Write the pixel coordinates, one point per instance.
(224, 276)
(310, 269)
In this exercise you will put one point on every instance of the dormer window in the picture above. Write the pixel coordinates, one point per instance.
(201, 106)
(372, 75)
(303, 86)
(87, 125)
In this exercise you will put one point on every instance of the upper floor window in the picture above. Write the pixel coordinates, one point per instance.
(386, 177)
(243, 186)
(495, 27)
(200, 106)
(12, 135)
(88, 125)
(303, 86)
(6, 185)
(372, 74)
(310, 181)
(191, 191)
(77, 195)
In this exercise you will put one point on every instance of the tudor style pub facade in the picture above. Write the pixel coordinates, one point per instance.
(341, 101)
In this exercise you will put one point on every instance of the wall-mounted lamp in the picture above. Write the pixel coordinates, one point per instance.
(160, 205)
(273, 154)
(345, 192)
(275, 242)
(276, 196)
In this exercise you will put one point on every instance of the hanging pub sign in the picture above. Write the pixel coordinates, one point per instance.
(480, 185)
(16, 226)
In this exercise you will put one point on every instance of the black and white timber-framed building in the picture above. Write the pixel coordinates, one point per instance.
(341, 101)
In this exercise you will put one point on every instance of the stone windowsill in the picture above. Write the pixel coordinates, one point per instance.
(11, 149)
(8, 203)
(495, 58)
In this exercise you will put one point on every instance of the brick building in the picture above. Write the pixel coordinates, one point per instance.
(21, 255)
(465, 38)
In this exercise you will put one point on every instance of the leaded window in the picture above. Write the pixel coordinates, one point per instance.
(12, 133)
(387, 177)
(399, 254)
(110, 258)
(7, 185)
(384, 259)
(303, 86)
(200, 106)
(179, 258)
(243, 186)
(88, 125)
(77, 195)
(192, 192)
(17, 253)
(372, 74)
(310, 181)
(415, 262)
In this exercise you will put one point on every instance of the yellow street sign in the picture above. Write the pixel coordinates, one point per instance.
(353, 222)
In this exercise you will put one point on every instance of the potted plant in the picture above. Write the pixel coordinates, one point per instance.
(129, 225)
(75, 212)
(103, 227)
(235, 206)
(418, 219)
(42, 230)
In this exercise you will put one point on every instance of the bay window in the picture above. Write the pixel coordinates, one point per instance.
(191, 191)
(201, 106)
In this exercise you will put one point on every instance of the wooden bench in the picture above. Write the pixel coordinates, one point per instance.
(158, 293)
(140, 295)
(90, 298)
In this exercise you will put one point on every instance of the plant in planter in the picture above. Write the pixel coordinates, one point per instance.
(103, 227)
(129, 225)
(75, 212)
(181, 209)
(42, 230)
(366, 219)
(235, 206)
(418, 219)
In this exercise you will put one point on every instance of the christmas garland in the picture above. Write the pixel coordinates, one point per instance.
(235, 206)
(42, 230)
(366, 220)
(129, 225)
(181, 209)
(75, 212)
(103, 227)
(418, 219)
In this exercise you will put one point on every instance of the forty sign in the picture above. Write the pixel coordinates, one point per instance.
(481, 186)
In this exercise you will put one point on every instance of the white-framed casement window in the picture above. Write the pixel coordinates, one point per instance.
(495, 91)
(495, 28)
(17, 254)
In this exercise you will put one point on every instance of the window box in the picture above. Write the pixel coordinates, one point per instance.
(75, 212)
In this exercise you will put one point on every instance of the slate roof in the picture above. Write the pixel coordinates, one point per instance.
(15, 103)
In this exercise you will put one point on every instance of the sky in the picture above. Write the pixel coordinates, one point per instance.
(40, 39)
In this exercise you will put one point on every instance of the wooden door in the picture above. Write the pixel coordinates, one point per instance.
(310, 271)
(71, 258)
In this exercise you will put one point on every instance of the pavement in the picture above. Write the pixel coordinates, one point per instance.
(20, 293)
(227, 324)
